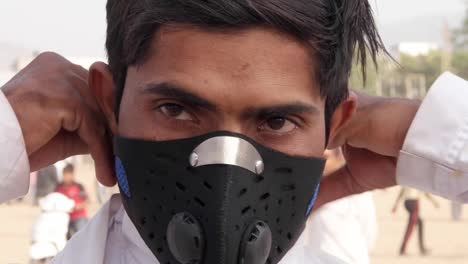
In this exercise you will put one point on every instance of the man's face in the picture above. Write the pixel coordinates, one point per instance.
(255, 82)
(258, 83)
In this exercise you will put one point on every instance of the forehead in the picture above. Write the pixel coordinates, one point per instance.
(256, 62)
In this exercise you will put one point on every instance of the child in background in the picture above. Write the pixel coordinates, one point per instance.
(76, 192)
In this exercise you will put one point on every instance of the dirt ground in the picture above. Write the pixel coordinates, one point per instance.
(447, 240)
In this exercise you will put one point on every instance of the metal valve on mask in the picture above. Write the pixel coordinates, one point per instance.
(227, 151)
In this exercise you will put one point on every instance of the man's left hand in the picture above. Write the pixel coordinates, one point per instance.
(371, 144)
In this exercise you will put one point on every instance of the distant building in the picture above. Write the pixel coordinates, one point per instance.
(413, 48)
(401, 83)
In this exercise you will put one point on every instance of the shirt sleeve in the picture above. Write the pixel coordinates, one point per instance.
(14, 163)
(434, 157)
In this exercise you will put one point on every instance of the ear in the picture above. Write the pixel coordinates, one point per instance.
(342, 115)
(102, 85)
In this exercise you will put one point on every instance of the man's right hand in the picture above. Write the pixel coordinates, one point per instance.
(59, 116)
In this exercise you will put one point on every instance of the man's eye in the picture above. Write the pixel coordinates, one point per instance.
(278, 125)
(175, 111)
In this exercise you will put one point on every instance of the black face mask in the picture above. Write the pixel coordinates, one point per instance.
(219, 198)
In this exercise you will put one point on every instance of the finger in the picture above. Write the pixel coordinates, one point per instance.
(94, 133)
(79, 82)
(82, 72)
(65, 144)
(88, 122)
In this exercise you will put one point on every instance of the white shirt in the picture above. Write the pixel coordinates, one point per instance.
(14, 163)
(434, 159)
(345, 228)
(111, 238)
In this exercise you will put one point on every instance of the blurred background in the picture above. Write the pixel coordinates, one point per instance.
(425, 38)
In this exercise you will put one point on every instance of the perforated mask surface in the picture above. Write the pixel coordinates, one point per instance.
(225, 199)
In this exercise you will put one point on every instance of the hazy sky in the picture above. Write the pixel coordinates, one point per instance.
(77, 28)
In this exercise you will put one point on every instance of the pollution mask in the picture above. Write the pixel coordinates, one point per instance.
(219, 198)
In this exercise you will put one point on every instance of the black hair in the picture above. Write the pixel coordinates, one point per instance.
(69, 168)
(337, 31)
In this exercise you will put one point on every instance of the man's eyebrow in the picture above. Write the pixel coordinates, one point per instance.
(179, 93)
(284, 109)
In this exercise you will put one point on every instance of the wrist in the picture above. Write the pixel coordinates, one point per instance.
(382, 123)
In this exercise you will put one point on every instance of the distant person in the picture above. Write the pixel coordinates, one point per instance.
(46, 182)
(411, 199)
(76, 192)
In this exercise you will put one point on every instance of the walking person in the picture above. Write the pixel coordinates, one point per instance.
(411, 201)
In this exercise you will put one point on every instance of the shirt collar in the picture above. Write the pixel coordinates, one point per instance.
(131, 233)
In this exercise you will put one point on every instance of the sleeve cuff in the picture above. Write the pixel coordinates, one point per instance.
(421, 173)
(14, 162)
(440, 128)
(431, 158)
(429, 176)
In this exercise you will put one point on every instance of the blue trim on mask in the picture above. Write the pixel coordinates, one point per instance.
(312, 202)
(122, 177)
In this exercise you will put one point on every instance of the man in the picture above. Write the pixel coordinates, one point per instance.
(167, 97)
(77, 124)
(181, 76)
(75, 191)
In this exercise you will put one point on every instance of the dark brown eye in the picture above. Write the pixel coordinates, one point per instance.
(278, 125)
(175, 111)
